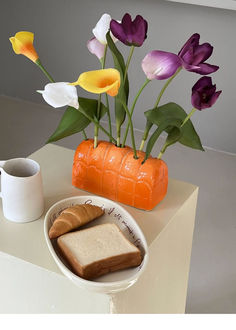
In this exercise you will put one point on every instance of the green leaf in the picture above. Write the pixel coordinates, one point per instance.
(73, 121)
(173, 136)
(163, 125)
(123, 94)
(189, 136)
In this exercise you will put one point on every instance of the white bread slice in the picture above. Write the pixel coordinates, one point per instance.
(98, 250)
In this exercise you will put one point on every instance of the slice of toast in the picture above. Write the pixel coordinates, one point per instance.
(97, 250)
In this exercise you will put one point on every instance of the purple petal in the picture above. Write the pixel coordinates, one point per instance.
(205, 68)
(190, 67)
(127, 23)
(196, 100)
(188, 56)
(214, 98)
(193, 41)
(160, 65)
(139, 27)
(202, 53)
(117, 31)
(211, 90)
(193, 55)
(127, 27)
(130, 33)
(96, 48)
(204, 94)
(202, 83)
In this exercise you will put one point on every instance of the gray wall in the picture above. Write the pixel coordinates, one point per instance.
(62, 29)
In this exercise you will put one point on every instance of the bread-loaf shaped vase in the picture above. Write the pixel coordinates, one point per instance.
(113, 172)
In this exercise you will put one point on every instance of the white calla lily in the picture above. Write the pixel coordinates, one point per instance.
(101, 29)
(95, 47)
(60, 94)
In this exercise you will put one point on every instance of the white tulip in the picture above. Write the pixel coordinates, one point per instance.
(60, 94)
(101, 29)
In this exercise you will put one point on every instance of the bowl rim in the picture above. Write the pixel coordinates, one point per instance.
(75, 277)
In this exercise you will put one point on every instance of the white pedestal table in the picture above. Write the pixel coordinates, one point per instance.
(30, 281)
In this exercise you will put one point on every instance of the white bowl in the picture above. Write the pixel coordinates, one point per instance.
(114, 213)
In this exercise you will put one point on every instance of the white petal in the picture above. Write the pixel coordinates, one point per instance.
(60, 94)
(95, 47)
(74, 103)
(101, 28)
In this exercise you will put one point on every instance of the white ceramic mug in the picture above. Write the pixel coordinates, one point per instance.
(21, 189)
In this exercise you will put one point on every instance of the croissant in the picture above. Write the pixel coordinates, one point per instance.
(74, 217)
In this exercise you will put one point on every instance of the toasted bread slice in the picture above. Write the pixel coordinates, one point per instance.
(97, 250)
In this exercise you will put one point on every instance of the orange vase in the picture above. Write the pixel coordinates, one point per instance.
(113, 172)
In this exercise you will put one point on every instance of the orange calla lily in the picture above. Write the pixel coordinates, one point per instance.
(22, 43)
(100, 81)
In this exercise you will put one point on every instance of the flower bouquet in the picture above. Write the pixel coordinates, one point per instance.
(110, 168)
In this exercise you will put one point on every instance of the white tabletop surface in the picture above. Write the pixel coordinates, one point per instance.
(26, 241)
(31, 282)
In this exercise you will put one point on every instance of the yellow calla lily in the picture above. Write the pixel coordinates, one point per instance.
(100, 81)
(22, 43)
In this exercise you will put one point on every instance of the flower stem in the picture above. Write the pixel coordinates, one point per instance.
(162, 151)
(188, 116)
(118, 141)
(109, 116)
(85, 135)
(118, 129)
(107, 101)
(164, 87)
(96, 123)
(132, 109)
(39, 64)
(103, 60)
(141, 145)
(132, 130)
(95, 141)
(96, 126)
(118, 124)
(183, 123)
(146, 132)
(128, 61)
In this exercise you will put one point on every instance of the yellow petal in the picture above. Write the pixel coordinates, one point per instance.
(100, 81)
(22, 43)
(25, 37)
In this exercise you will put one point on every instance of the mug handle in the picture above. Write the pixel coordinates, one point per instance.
(2, 162)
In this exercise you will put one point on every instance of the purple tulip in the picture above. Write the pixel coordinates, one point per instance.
(160, 65)
(193, 56)
(130, 33)
(204, 94)
(95, 47)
